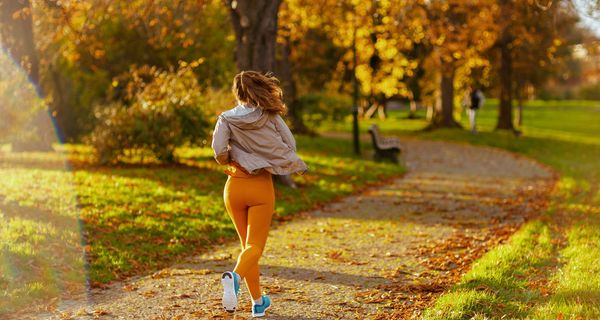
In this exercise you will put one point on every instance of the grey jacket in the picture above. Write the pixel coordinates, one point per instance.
(256, 140)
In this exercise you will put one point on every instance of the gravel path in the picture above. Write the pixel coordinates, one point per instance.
(388, 251)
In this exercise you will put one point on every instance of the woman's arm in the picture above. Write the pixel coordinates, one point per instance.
(220, 141)
(285, 132)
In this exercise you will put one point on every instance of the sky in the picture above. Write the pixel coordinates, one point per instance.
(586, 20)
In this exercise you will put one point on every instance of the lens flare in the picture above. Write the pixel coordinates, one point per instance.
(42, 257)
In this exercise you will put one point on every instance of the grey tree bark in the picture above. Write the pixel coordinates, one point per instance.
(255, 26)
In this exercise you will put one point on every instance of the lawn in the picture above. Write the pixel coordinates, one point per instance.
(133, 219)
(549, 268)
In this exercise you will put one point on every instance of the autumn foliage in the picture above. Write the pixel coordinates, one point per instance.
(426, 53)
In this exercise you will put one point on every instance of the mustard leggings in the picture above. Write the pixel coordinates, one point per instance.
(250, 201)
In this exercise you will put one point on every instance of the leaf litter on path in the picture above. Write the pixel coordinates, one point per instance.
(384, 254)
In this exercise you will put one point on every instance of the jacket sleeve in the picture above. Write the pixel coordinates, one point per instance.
(285, 132)
(220, 141)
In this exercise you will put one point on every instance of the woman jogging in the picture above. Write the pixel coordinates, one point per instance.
(254, 142)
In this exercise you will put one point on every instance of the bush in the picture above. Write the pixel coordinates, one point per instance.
(318, 107)
(161, 111)
(217, 100)
(590, 92)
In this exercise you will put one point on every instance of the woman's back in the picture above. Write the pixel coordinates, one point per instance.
(256, 139)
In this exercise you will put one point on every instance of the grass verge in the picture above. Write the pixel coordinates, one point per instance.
(137, 218)
(549, 268)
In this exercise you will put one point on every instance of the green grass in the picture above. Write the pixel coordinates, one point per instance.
(564, 135)
(500, 283)
(567, 138)
(137, 218)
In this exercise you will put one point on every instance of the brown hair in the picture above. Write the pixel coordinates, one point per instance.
(259, 90)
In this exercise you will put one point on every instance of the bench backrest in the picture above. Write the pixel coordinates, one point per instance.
(374, 131)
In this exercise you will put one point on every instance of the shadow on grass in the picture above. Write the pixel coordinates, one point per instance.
(579, 297)
(14, 210)
(138, 217)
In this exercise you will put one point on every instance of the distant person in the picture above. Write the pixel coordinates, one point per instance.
(477, 98)
(254, 142)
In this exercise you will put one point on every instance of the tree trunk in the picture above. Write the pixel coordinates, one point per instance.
(16, 37)
(519, 92)
(370, 111)
(382, 111)
(255, 26)
(284, 73)
(447, 87)
(505, 119)
(412, 113)
(444, 117)
(433, 109)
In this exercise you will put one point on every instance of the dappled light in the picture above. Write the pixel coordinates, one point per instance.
(42, 247)
(430, 159)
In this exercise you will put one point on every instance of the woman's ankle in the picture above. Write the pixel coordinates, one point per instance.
(257, 301)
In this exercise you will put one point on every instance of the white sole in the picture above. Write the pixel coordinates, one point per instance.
(262, 314)
(229, 296)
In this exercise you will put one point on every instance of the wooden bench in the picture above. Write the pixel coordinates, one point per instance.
(385, 147)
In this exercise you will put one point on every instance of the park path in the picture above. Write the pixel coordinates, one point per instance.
(385, 253)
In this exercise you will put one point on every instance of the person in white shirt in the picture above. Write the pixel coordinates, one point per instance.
(476, 101)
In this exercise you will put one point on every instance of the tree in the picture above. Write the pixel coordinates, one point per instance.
(459, 32)
(283, 69)
(306, 52)
(90, 46)
(293, 31)
(528, 36)
(16, 37)
(381, 64)
(503, 44)
(545, 49)
(255, 26)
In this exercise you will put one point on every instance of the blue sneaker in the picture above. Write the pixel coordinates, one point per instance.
(231, 289)
(258, 310)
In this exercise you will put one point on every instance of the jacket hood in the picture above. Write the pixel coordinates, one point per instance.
(245, 117)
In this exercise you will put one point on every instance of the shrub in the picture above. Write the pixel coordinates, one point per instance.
(160, 111)
(590, 92)
(217, 100)
(317, 107)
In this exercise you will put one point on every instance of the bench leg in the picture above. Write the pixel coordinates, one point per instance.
(393, 156)
(386, 154)
(377, 156)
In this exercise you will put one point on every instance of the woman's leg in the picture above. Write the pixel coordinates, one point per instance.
(239, 216)
(259, 222)
(472, 119)
(237, 210)
(253, 282)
